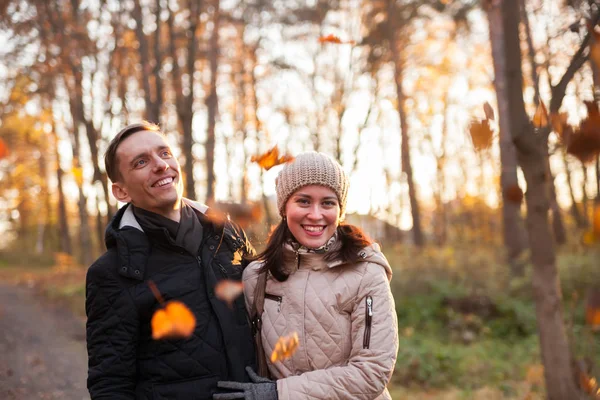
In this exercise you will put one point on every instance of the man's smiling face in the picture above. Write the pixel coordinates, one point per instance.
(150, 174)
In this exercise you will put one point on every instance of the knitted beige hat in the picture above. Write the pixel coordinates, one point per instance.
(311, 168)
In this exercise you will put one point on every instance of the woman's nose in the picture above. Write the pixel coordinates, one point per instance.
(315, 212)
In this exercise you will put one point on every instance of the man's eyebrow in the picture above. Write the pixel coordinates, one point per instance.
(145, 153)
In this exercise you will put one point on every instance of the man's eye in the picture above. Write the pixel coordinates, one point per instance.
(166, 153)
(140, 163)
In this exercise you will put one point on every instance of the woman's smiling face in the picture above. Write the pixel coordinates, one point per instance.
(313, 215)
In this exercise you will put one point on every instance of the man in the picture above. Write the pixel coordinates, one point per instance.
(182, 247)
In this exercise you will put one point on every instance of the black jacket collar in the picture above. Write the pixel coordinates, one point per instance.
(133, 246)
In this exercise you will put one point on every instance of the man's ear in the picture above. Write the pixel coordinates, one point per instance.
(120, 193)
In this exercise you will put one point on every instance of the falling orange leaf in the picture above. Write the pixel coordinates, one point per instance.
(540, 118)
(488, 110)
(174, 321)
(331, 38)
(228, 290)
(3, 149)
(285, 347)
(481, 134)
(271, 158)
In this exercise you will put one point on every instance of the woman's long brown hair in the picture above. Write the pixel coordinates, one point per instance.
(352, 237)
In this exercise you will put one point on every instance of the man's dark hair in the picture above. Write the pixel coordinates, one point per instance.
(111, 163)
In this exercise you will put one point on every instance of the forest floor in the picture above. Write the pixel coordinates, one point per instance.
(42, 343)
(42, 347)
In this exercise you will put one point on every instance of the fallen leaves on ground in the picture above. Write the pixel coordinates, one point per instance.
(285, 347)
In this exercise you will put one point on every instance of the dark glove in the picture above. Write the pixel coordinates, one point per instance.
(259, 389)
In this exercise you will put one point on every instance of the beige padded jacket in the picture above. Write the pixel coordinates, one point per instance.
(344, 352)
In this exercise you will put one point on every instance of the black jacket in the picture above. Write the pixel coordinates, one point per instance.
(124, 361)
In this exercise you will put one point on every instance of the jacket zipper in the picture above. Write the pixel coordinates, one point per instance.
(278, 299)
(368, 320)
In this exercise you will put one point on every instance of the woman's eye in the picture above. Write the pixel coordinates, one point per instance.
(330, 203)
(302, 201)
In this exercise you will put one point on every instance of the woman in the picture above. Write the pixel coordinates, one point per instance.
(328, 283)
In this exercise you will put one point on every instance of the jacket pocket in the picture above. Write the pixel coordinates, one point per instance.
(368, 321)
(187, 389)
(275, 298)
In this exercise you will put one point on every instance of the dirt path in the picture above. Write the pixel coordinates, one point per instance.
(42, 348)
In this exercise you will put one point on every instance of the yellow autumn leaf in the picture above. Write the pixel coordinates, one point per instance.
(285, 347)
(77, 175)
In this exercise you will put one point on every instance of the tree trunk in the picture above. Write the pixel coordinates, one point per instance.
(151, 113)
(63, 234)
(532, 154)
(211, 104)
(515, 238)
(405, 145)
(185, 102)
(584, 195)
(574, 208)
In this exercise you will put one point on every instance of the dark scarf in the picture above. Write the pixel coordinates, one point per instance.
(186, 233)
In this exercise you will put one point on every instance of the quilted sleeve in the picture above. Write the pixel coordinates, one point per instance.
(249, 279)
(373, 355)
(111, 333)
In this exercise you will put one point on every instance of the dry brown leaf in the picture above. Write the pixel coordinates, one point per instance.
(585, 143)
(271, 158)
(488, 110)
(559, 121)
(540, 118)
(331, 38)
(228, 290)
(285, 347)
(481, 134)
(514, 194)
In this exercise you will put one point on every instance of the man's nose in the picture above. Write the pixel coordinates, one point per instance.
(160, 164)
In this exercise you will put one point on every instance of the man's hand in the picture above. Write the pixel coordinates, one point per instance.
(259, 389)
